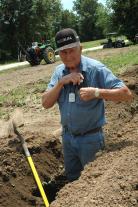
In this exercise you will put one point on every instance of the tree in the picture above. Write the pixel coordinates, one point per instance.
(86, 11)
(68, 19)
(46, 15)
(103, 23)
(14, 21)
(21, 20)
(125, 17)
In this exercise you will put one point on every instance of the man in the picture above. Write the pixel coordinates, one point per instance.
(80, 85)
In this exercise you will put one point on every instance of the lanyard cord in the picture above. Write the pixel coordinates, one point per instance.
(72, 88)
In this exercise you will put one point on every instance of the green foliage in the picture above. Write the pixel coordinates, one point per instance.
(93, 19)
(103, 20)
(15, 21)
(86, 11)
(125, 17)
(22, 21)
(69, 19)
(47, 14)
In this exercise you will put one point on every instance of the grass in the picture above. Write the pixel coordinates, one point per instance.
(122, 60)
(22, 96)
(92, 43)
(15, 97)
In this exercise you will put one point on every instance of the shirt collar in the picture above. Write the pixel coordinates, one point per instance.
(82, 66)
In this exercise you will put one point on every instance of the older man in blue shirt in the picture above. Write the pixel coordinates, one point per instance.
(80, 85)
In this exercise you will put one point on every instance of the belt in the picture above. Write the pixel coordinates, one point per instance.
(92, 131)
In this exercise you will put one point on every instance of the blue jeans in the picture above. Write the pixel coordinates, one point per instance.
(80, 150)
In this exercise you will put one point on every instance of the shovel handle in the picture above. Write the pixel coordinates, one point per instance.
(22, 140)
(30, 161)
(37, 179)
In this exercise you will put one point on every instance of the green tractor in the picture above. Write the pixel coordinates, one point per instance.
(39, 51)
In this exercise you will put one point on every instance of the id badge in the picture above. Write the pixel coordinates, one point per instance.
(71, 97)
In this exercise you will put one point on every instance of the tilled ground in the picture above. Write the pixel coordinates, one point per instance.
(110, 181)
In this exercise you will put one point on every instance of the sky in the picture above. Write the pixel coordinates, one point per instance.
(68, 4)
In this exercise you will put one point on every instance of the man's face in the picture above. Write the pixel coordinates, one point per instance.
(71, 56)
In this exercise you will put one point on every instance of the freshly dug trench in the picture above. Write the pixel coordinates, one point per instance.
(52, 187)
(16, 179)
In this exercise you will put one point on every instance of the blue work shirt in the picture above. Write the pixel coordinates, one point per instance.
(82, 116)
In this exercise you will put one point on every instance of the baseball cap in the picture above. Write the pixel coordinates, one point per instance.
(66, 38)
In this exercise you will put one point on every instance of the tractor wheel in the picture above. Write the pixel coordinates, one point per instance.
(32, 61)
(49, 55)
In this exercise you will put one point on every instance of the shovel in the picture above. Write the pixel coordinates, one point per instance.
(30, 161)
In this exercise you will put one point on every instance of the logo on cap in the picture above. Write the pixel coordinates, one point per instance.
(64, 39)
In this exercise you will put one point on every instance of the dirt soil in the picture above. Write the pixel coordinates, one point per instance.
(110, 181)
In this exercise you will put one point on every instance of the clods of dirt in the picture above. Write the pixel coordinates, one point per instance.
(16, 178)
